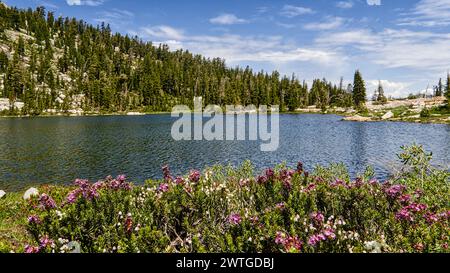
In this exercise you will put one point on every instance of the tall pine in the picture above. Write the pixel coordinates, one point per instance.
(359, 90)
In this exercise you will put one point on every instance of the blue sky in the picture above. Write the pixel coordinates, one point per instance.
(405, 44)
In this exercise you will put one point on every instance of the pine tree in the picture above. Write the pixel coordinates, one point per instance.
(381, 97)
(3, 62)
(447, 89)
(359, 90)
(439, 89)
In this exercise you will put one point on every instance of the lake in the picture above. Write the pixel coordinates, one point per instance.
(37, 151)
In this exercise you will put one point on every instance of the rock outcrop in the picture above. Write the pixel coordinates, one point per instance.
(30, 193)
(358, 118)
(387, 116)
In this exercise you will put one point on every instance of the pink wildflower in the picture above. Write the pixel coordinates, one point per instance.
(235, 219)
(194, 176)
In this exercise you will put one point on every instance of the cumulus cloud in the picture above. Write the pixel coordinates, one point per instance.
(227, 19)
(294, 11)
(391, 88)
(85, 2)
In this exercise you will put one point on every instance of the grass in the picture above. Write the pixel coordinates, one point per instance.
(13, 213)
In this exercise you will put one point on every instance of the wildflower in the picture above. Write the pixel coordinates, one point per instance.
(270, 174)
(374, 247)
(416, 207)
(286, 178)
(244, 182)
(235, 219)
(261, 180)
(445, 246)
(121, 178)
(164, 187)
(317, 217)
(418, 194)
(395, 191)
(73, 196)
(419, 247)
(45, 242)
(46, 202)
(374, 182)
(194, 176)
(179, 181)
(405, 215)
(98, 185)
(34, 219)
(280, 206)
(293, 243)
(330, 234)
(119, 183)
(431, 218)
(59, 214)
(310, 188)
(254, 220)
(357, 183)
(128, 224)
(444, 215)
(31, 249)
(339, 183)
(166, 173)
(280, 238)
(405, 199)
(315, 239)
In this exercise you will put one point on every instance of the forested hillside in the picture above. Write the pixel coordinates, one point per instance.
(50, 65)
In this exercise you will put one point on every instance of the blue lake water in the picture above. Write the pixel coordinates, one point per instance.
(60, 149)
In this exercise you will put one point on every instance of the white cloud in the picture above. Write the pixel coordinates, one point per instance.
(428, 13)
(359, 37)
(227, 19)
(115, 17)
(329, 23)
(237, 49)
(294, 11)
(345, 4)
(374, 2)
(163, 32)
(422, 51)
(85, 2)
(391, 88)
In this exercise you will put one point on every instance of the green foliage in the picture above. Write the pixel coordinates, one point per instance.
(359, 89)
(230, 210)
(447, 89)
(116, 73)
(425, 113)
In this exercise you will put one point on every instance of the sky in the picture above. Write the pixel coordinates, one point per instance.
(404, 44)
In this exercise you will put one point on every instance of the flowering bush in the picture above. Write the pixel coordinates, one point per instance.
(233, 210)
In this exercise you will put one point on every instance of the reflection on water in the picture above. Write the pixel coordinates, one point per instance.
(60, 149)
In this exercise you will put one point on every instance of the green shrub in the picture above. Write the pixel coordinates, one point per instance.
(227, 209)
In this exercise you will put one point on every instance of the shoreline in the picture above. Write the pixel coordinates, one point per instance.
(345, 117)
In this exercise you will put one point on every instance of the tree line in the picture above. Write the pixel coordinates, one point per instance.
(62, 63)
